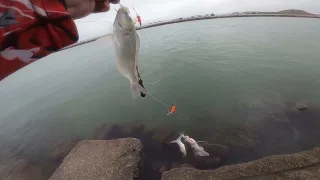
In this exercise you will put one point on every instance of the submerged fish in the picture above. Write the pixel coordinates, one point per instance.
(127, 44)
(196, 149)
(180, 144)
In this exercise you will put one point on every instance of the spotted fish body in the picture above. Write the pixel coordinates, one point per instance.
(127, 44)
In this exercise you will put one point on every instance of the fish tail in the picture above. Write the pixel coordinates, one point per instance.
(136, 89)
(174, 141)
(202, 153)
(177, 140)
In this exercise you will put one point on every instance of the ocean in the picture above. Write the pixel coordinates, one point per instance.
(221, 74)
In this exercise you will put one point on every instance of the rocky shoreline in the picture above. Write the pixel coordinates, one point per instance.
(304, 165)
(123, 159)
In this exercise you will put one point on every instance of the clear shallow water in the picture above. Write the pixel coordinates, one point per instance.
(237, 70)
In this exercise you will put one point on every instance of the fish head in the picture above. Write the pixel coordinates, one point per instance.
(123, 19)
(189, 140)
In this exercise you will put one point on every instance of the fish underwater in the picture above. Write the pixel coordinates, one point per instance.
(196, 149)
(127, 44)
(180, 144)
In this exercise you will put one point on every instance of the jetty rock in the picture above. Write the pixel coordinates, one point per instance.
(304, 165)
(118, 159)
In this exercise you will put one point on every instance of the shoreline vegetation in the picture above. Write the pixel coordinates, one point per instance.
(285, 13)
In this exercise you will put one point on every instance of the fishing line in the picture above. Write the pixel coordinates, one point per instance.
(159, 101)
(147, 65)
(159, 79)
(155, 63)
(152, 83)
(146, 35)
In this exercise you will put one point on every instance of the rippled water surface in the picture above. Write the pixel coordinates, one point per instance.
(219, 73)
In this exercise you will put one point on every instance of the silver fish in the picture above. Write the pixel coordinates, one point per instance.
(180, 144)
(196, 149)
(127, 44)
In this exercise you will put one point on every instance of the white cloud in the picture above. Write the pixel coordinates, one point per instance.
(154, 10)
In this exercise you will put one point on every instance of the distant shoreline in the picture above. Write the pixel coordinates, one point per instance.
(197, 19)
(227, 16)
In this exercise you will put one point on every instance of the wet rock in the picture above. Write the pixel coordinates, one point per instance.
(216, 149)
(241, 143)
(156, 166)
(61, 150)
(206, 162)
(164, 168)
(119, 159)
(176, 164)
(304, 165)
(186, 165)
(20, 169)
(101, 132)
(214, 160)
(162, 135)
(300, 106)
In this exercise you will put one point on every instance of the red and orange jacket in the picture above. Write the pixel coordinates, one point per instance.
(32, 29)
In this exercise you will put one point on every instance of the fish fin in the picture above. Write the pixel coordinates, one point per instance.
(174, 141)
(136, 88)
(201, 148)
(202, 153)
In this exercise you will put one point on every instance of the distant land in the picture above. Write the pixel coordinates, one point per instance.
(285, 13)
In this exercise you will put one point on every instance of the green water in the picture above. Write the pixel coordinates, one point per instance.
(236, 69)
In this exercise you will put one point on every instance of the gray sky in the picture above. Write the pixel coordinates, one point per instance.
(154, 10)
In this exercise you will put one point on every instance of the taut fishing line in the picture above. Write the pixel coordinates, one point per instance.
(146, 35)
(159, 79)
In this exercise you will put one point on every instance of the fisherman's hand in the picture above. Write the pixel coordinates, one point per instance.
(81, 8)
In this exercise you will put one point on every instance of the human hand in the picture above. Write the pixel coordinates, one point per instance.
(80, 8)
(103, 5)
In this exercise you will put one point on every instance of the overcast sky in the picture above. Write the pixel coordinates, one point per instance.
(154, 10)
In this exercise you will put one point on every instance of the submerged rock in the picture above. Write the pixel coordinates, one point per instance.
(300, 106)
(61, 150)
(119, 159)
(304, 165)
(20, 169)
(101, 132)
(216, 149)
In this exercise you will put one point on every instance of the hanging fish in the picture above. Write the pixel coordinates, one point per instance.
(127, 44)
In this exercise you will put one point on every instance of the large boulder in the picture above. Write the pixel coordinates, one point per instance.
(119, 159)
(304, 165)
